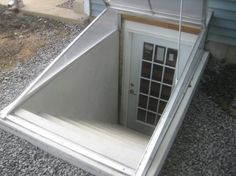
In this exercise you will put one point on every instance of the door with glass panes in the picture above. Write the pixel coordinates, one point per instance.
(152, 73)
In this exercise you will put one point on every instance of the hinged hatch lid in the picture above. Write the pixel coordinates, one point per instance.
(193, 11)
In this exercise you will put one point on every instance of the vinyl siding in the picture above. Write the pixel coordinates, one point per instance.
(223, 25)
(97, 6)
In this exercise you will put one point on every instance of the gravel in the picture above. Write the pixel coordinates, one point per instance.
(205, 144)
(19, 158)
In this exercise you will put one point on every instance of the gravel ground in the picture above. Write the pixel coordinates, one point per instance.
(205, 144)
(20, 158)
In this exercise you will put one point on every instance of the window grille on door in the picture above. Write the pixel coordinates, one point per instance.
(156, 82)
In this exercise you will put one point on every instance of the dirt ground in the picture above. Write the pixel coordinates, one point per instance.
(22, 35)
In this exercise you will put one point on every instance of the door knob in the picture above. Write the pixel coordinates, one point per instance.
(131, 91)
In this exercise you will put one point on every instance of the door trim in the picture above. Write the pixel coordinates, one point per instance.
(137, 60)
(129, 29)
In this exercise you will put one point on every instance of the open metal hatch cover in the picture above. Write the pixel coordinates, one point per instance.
(83, 81)
(165, 8)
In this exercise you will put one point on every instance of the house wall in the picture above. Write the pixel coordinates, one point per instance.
(87, 90)
(96, 7)
(221, 39)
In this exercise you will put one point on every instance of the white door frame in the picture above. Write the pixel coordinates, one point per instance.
(130, 28)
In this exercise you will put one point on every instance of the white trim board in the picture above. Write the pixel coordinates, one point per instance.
(159, 32)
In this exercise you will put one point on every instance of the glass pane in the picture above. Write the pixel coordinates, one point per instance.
(146, 70)
(144, 86)
(141, 115)
(160, 54)
(166, 91)
(155, 89)
(171, 57)
(142, 101)
(151, 118)
(162, 106)
(157, 72)
(168, 75)
(148, 51)
(152, 106)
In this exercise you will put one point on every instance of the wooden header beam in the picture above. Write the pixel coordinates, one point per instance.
(164, 24)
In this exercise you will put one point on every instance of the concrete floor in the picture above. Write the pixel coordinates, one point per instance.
(48, 8)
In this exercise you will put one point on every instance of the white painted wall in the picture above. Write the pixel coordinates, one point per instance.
(87, 90)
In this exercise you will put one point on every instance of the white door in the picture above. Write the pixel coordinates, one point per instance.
(152, 72)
